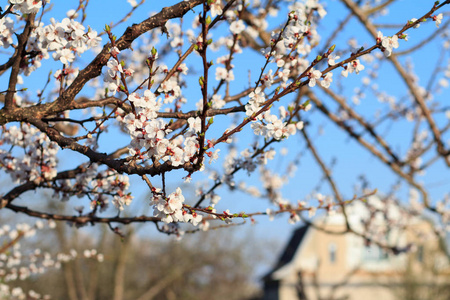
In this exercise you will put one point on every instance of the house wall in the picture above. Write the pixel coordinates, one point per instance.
(352, 275)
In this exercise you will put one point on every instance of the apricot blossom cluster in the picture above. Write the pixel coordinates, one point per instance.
(65, 39)
(36, 162)
(16, 263)
(157, 121)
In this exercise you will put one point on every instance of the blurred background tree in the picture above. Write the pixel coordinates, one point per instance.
(202, 266)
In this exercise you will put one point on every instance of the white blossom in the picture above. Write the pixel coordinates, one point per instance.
(236, 27)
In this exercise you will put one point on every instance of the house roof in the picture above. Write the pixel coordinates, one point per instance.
(289, 251)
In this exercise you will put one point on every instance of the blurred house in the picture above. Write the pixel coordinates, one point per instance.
(326, 264)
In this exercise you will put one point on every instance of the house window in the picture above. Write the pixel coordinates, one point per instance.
(420, 254)
(332, 252)
(374, 253)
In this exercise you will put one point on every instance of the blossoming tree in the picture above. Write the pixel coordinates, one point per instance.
(145, 85)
